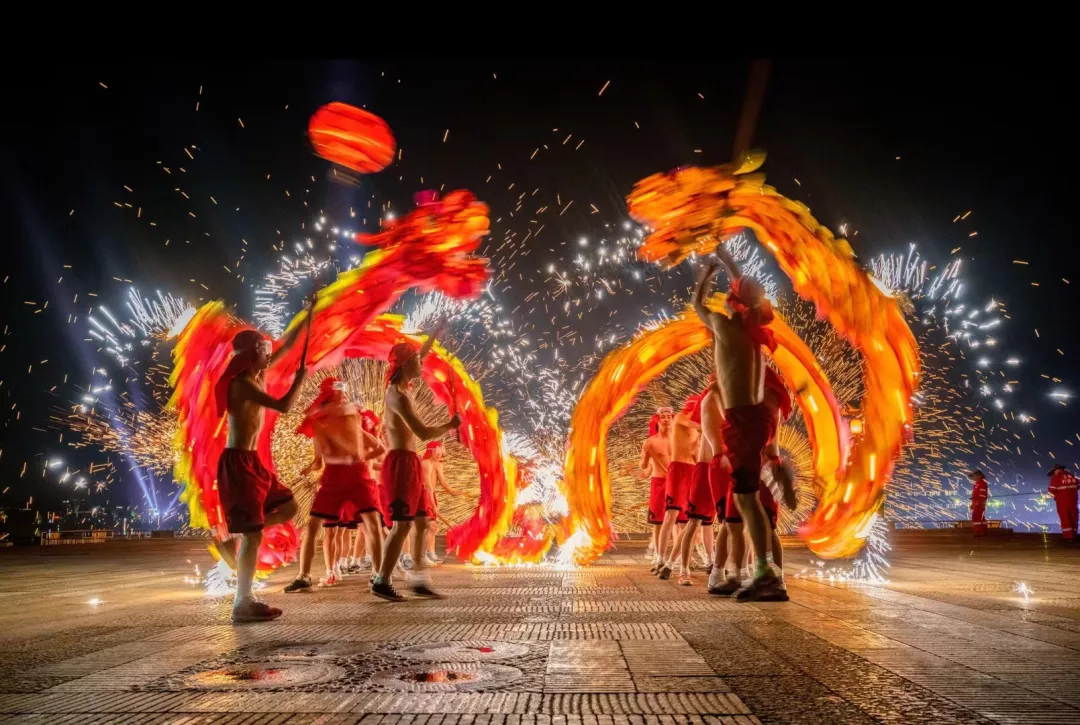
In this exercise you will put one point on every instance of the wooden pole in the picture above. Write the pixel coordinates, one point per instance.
(755, 94)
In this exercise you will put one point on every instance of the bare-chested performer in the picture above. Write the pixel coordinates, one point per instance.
(684, 442)
(347, 491)
(655, 457)
(402, 485)
(748, 421)
(250, 493)
(434, 479)
(701, 509)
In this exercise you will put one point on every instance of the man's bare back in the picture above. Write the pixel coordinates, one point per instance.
(738, 357)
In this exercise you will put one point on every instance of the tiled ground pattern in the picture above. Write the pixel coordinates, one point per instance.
(949, 640)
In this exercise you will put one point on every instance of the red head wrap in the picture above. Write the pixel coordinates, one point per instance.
(369, 421)
(245, 351)
(400, 354)
(775, 384)
(432, 446)
(327, 388)
(692, 407)
(747, 297)
(654, 421)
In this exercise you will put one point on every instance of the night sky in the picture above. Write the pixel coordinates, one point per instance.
(894, 149)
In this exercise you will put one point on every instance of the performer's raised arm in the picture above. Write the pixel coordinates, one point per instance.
(701, 293)
(294, 335)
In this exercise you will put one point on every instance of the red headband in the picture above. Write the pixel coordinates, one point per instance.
(692, 407)
(327, 388)
(245, 346)
(432, 446)
(400, 354)
(369, 421)
(775, 384)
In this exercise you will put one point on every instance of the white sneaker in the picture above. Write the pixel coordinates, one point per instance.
(365, 563)
(330, 580)
(432, 558)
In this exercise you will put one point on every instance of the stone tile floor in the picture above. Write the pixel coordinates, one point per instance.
(948, 640)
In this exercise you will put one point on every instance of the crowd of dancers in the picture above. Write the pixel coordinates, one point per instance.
(710, 464)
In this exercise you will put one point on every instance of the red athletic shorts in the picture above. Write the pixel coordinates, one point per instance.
(402, 487)
(702, 505)
(247, 490)
(747, 429)
(344, 493)
(720, 483)
(677, 486)
(656, 501)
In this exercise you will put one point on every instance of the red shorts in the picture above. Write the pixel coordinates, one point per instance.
(656, 501)
(677, 486)
(702, 505)
(247, 490)
(402, 487)
(720, 483)
(747, 429)
(344, 493)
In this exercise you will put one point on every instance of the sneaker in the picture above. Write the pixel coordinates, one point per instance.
(700, 566)
(655, 567)
(255, 612)
(423, 591)
(406, 562)
(729, 587)
(385, 590)
(299, 584)
(766, 587)
(432, 559)
(330, 580)
(354, 568)
(664, 572)
(685, 580)
(365, 563)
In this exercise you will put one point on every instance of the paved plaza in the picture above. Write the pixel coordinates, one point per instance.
(112, 633)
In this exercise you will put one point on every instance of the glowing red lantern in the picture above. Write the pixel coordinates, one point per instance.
(352, 138)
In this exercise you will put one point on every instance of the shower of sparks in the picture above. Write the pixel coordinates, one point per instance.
(1023, 590)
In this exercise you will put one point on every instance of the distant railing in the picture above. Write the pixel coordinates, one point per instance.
(939, 524)
(95, 536)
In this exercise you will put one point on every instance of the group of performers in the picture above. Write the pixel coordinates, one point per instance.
(350, 444)
(712, 460)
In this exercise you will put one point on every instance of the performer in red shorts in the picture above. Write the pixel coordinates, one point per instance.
(1063, 487)
(402, 486)
(776, 478)
(432, 470)
(655, 458)
(701, 508)
(346, 489)
(251, 495)
(684, 441)
(740, 371)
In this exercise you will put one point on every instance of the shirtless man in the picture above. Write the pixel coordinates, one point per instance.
(431, 467)
(251, 495)
(347, 490)
(655, 457)
(402, 485)
(683, 441)
(702, 502)
(748, 422)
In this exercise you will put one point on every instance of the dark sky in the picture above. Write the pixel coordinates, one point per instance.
(971, 135)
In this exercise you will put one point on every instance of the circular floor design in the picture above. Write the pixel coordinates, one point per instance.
(446, 677)
(263, 675)
(463, 651)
